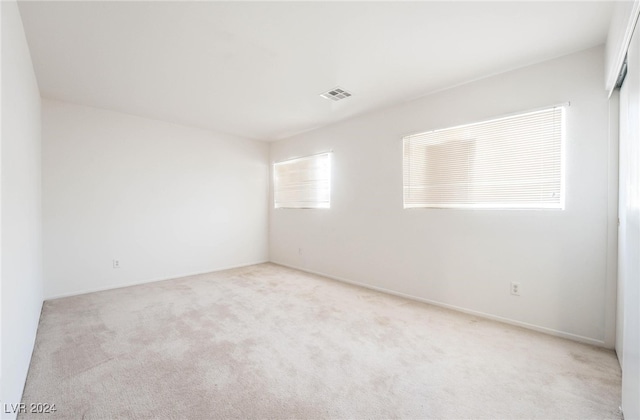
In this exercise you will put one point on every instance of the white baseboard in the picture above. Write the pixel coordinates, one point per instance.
(137, 283)
(551, 331)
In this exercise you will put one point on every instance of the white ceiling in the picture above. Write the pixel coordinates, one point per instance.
(256, 69)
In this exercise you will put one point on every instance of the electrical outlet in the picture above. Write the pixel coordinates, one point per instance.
(515, 288)
(116, 263)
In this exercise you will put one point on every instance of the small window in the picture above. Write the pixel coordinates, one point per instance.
(303, 183)
(509, 162)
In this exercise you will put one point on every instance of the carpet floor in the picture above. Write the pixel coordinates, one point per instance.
(267, 341)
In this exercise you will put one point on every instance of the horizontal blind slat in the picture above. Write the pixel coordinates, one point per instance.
(506, 161)
(303, 183)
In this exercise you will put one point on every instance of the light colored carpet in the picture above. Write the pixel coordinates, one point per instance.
(270, 342)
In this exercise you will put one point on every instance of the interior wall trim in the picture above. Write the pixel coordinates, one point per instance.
(154, 280)
(538, 328)
(616, 64)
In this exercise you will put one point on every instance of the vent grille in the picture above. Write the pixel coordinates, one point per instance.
(336, 94)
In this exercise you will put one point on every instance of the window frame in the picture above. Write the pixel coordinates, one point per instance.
(301, 204)
(563, 107)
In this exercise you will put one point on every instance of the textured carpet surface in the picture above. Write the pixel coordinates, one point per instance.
(270, 342)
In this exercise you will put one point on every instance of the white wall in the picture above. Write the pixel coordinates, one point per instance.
(467, 258)
(165, 200)
(20, 208)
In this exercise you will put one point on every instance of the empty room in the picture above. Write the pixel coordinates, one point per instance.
(320, 210)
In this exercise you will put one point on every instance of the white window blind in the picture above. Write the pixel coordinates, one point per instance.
(303, 183)
(509, 162)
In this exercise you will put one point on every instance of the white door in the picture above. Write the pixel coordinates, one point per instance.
(629, 233)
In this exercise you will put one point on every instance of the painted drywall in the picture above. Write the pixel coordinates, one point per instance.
(21, 214)
(466, 259)
(256, 69)
(163, 199)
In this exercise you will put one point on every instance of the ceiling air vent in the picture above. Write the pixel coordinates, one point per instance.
(336, 94)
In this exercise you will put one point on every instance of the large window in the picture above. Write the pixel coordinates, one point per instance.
(509, 162)
(303, 183)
